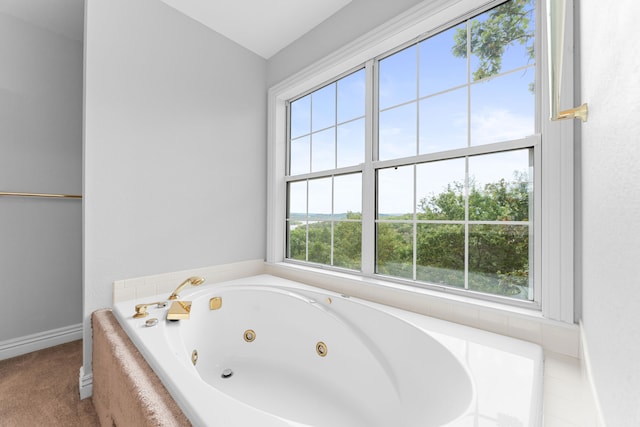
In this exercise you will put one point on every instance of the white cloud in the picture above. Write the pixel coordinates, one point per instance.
(496, 125)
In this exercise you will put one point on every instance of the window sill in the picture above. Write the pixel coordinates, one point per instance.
(516, 322)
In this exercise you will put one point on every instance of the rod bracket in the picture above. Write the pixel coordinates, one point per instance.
(581, 112)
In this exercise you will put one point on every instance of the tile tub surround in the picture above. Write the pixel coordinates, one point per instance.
(379, 350)
(553, 336)
(568, 399)
(146, 286)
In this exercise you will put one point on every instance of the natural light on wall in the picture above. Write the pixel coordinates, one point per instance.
(556, 10)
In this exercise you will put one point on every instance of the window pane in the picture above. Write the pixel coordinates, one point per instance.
(397, 134)
(351, 143)
(323, 108)
(440, 68)
(297, 200)
(297, 240)
(463, 222)
(499, 186)
(301, 117)
(502, 108)
(443, 122)
(395, 193)
(499, 260)
(398, 78)
(440, 190)
(320, 242)
(394, 250)
(440, 254)
(351, 96)
(323, 150)
(502, 39)
(319, 198)
(300, 155)
(347, 196)
(347, 242)
(297, 220)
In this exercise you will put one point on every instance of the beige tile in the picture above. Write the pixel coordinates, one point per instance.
(562, 367)
(146, 290)
(561, 339)
(134, 282)
(551, 421)
(123, 294)
(568, 410)
(570, 389)
(465, 315)
(441, 310)
(529, 330)
(493, 322)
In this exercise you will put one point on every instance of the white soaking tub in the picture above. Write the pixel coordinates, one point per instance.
(271, 352)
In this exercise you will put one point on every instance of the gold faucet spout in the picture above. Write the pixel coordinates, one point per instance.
(179, 310)
(194, 281)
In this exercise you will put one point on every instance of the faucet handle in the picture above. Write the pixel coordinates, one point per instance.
(141, 309)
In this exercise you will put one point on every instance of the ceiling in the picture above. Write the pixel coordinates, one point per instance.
(64, 17)
(262, 26)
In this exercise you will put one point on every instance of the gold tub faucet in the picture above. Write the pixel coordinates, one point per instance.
(180, 310)
(194, 280)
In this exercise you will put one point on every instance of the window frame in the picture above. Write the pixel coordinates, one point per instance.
(553, 230)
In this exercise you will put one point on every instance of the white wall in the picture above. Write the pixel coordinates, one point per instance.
(354, 20)
(40, 152)
(611, 205)
(174, 148)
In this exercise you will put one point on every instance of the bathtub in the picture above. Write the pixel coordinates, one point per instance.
(265, 351)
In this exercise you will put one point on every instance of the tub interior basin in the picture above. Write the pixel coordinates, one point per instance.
(321, 361)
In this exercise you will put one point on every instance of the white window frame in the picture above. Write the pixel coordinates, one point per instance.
(554, 204)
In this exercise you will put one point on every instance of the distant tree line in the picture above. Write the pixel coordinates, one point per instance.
(498, 254)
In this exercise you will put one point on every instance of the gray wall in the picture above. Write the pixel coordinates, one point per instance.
(611, 205)
(174, 148)
(40, 151)
(354, 20)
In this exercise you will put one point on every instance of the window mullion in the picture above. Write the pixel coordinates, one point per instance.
(306, 238)
(368, 173)
(466, 223)
(333, 190)
(466, 162)
(415, 224)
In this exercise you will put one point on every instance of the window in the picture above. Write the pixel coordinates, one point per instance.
(423, 164)
(327, 137)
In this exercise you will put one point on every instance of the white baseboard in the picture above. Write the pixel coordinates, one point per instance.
(23, 345)
(86, 384)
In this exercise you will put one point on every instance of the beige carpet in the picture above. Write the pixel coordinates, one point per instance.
(41, 389)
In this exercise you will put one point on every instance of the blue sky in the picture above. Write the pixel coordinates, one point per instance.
(428, 102)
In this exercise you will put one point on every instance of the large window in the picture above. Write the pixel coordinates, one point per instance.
(452, 153)
(327, 137)
(430, 163)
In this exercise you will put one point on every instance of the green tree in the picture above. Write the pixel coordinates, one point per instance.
(504, 25)
(395, 249)
(498, 254)
(347, 242)
(298, 242)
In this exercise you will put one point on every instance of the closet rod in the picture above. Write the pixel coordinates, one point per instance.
(57, 196)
